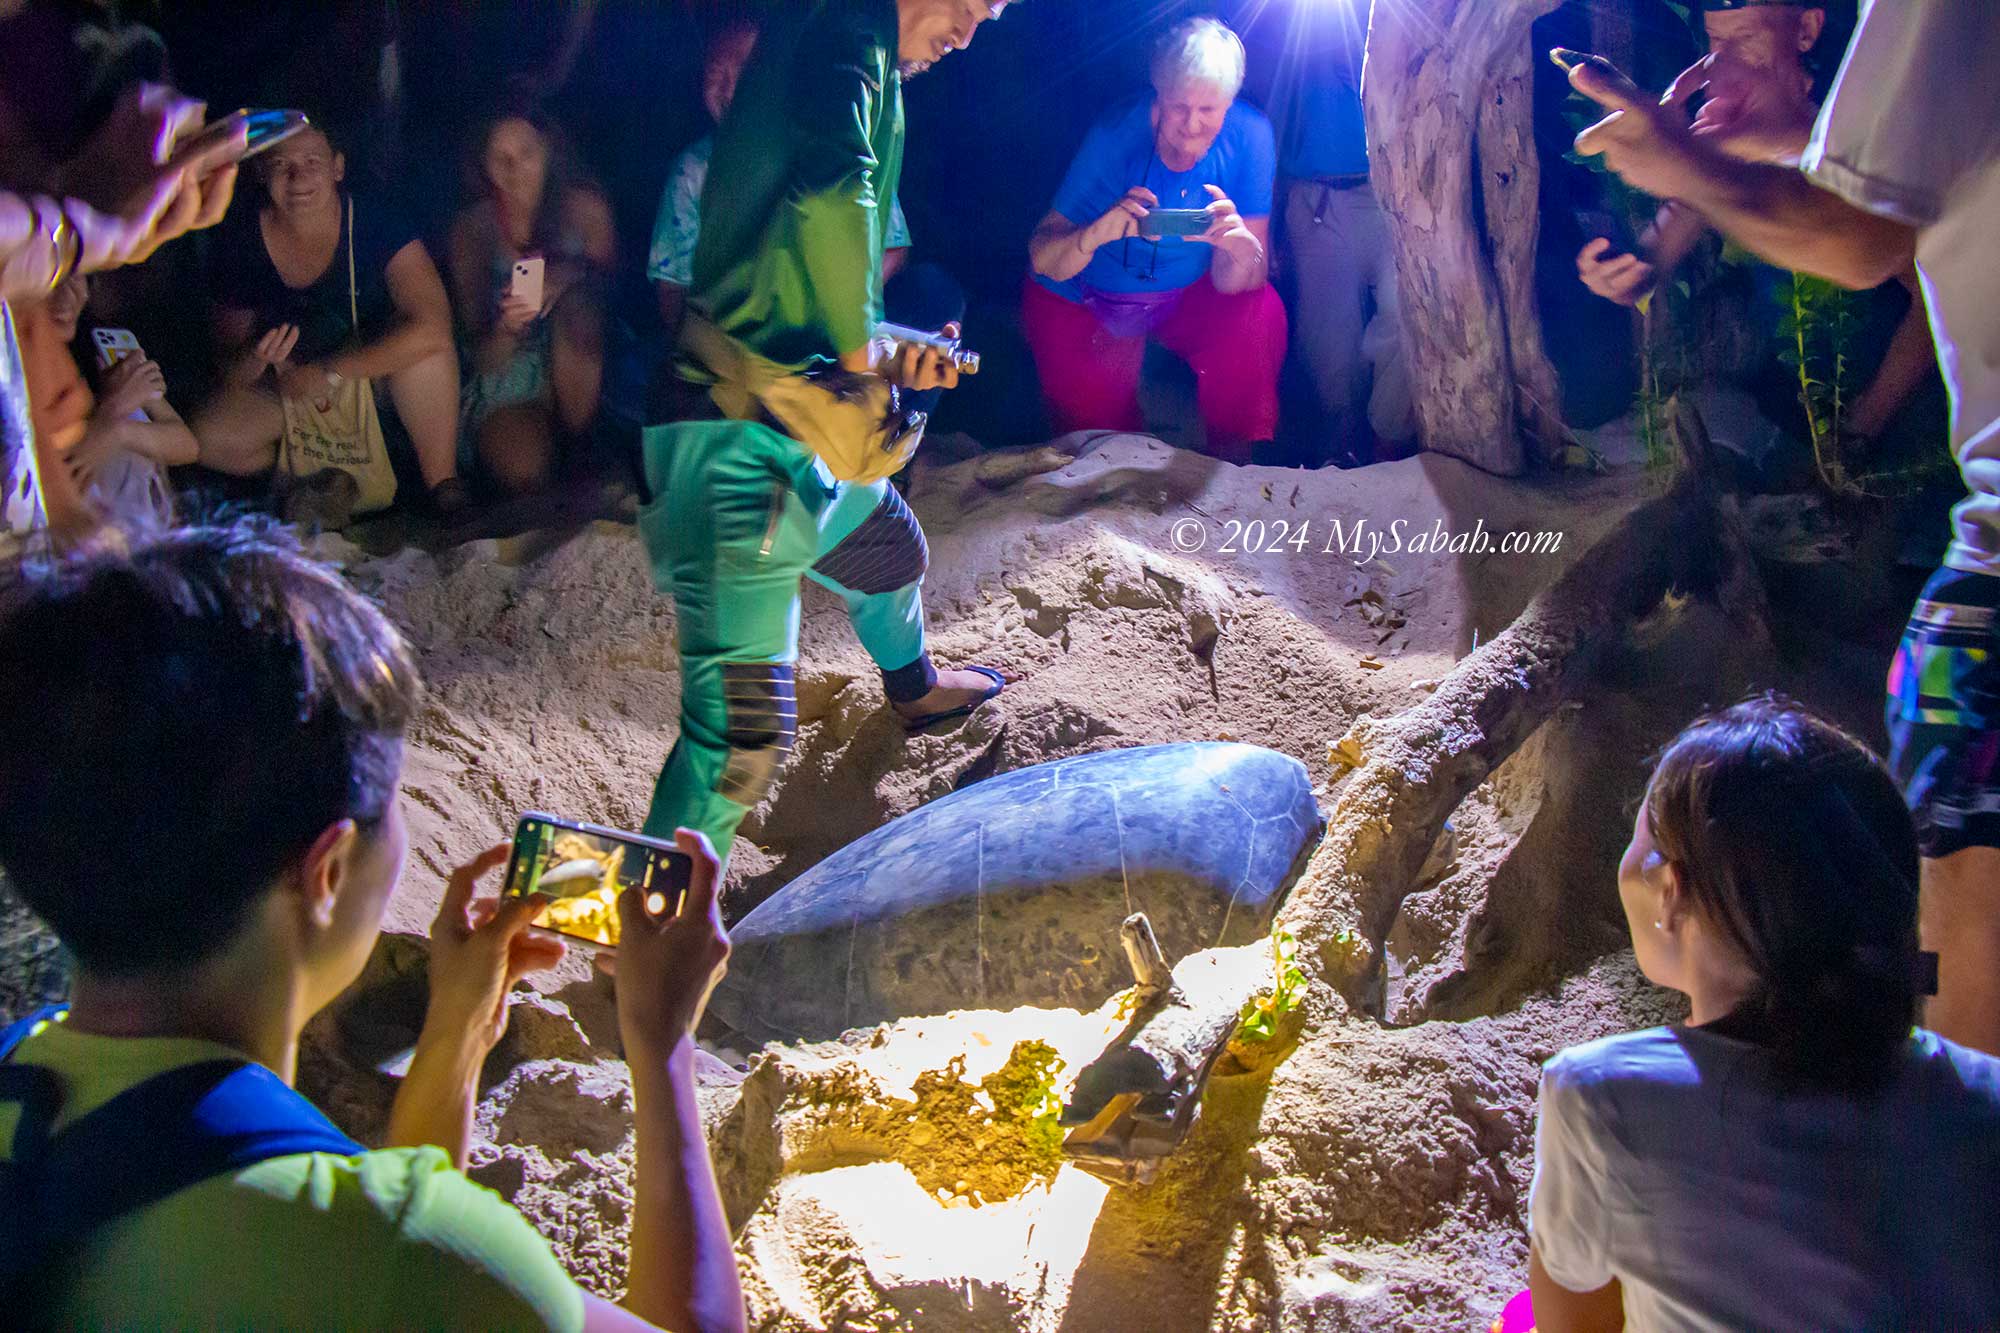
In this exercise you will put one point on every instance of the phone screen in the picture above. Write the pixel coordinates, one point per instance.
(580, 869)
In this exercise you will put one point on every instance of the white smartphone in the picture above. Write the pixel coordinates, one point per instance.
(114, 345)
(527, 283)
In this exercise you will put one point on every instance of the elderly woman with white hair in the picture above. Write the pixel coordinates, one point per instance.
(1106, 280)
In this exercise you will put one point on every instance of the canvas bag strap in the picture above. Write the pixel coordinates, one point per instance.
(353, 288)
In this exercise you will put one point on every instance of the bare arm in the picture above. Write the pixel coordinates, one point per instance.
(162, 436)
(236, 336)
(1781, 216)
(1673, 235)
(683, 1265)
(1241, 267)
(493, 346)
(673, 308)
(423, 320)
(682, 1270)
(893, 262)
(1560, 1310)
(1060, 249)
(1773, 211)
(479, 949)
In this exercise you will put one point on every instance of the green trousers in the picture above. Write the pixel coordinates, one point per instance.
(741, 513)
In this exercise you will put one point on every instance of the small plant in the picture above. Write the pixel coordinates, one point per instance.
(1816, 325)
(1263, 1013)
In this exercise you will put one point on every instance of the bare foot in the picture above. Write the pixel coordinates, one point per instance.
(954, 689)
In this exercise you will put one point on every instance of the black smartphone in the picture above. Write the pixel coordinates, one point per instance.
(1175, 222)
(1596, 222)
(580, 869)
(263, 130)
(1567, 60)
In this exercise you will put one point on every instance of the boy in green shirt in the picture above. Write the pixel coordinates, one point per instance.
(200, 746)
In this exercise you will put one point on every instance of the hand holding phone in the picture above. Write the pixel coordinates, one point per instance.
(113, 345)
(525, 287)
(1175, 222)
(1600, 222)
(479, 949)
(262, 131)
(669, 963)
(576, 872)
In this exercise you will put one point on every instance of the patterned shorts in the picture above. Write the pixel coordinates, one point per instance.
(1944, 713)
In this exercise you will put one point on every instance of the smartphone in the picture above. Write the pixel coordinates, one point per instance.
(526, 284)
(580, 869)
(1175, 222)
(1596, 222)
(963, 358)
(266, 130)
(113, 346)
(1567, 60)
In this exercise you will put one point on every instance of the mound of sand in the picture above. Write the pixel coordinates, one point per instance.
(904, 1177)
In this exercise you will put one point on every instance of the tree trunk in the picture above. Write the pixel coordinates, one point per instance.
(1451, 146)
(1414, 769)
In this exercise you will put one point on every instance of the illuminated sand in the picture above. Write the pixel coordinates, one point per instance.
(1374, 1179)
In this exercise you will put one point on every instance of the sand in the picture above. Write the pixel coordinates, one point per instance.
(902, 1178)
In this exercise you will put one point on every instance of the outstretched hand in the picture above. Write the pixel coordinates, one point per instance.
(134, 187)
(1753, 119)
(1646, 141)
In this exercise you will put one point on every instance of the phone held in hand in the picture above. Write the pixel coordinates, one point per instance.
(962, 358)
(1566, 60)
(1175, 222)
(113, 346)
(526, 284)
(264, 130)
(580, 869)
(1599, 222)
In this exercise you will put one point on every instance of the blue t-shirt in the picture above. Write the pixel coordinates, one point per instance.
(1325, 134)
(1119, 154)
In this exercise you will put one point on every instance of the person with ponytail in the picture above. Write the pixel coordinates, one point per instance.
(1796, 1154)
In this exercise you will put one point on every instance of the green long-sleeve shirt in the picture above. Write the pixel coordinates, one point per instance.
(806, 165)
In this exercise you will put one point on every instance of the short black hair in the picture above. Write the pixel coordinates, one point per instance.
(177, 726)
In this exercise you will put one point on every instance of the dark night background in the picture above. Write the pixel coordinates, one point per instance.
(991, 129)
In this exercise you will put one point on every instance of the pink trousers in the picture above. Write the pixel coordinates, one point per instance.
(1235, 345)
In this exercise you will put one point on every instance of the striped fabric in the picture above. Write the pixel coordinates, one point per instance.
(885, 553)
(762, 701)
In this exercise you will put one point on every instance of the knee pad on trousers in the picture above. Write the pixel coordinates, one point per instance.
(762, 703)
(886, 552)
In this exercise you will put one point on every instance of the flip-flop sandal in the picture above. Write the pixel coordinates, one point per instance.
(929, 720)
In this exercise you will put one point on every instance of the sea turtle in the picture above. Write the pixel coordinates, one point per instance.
(1011, 891)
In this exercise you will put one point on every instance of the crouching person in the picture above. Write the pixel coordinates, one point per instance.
(1106, 280)
(200, 746)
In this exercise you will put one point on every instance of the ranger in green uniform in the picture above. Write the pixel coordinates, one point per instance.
(795, 419)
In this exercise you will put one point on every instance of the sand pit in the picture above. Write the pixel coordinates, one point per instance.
(907, 1176)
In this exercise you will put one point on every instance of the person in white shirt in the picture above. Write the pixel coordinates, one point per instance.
(1795, 1156)
(1903, 165)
